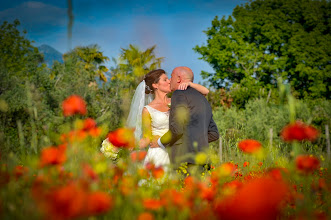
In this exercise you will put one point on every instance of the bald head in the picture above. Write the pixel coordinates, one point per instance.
(179, 75)
(184, 73)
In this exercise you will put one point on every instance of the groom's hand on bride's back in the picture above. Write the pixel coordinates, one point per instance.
(154, 143)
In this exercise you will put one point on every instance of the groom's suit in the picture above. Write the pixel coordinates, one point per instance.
(191, 126)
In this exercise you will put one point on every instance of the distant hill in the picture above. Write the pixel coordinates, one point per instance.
(50, 54)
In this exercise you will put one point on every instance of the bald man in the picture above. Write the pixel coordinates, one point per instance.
(191, 124)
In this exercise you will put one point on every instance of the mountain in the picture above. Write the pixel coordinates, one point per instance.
(50, 54)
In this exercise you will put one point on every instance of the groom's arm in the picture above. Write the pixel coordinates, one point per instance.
(213, 133)
(179, 116)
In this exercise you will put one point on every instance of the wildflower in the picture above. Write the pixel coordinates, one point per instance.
(90, 126)
(146, 216)
(122, 137)
(152, 204)
(260, 164)
(65, 202)
(98, 203)
(246, 164)
(74, 105)
(89, 172)
(138, 156)
(306, 163)
(205, 192)
(298, 131)
(231, 187)
(277, 173)
(249, 146)
(251, 202)
(20, 171)
(53, 156)
(158, 172)
(201, 158)
(226, 169)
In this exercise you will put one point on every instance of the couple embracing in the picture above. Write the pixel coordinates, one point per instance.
(175, 129)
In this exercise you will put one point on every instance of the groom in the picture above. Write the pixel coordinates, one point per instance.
(191, 125)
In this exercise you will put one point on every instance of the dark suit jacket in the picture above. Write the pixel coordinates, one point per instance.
(191, 126)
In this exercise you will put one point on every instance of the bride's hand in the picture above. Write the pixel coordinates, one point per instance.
(183, 86)
(143, 143)
(154, 143)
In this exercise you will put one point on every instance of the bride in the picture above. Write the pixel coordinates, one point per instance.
(149, 113)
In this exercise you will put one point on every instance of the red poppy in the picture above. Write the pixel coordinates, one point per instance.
(145, 216)
(53, 155)
(277, 173)
(231, 187)
(122, 137)
(306, 163)
(74, 105)
(65, 202)
(205, 192)
(249, 146)
(298, 131)
(138, 156)
(20, 171)
(89, 172)
(251, 202)
(158, 172)
(226, 169)
(246, 164)
(90, 126)
(98, 203)
(152, 204)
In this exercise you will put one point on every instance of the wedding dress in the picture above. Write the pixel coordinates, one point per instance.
(160, 125)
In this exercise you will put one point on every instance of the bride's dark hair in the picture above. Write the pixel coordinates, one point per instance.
(151, 78)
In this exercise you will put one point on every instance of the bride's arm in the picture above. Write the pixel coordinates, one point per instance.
(146, 129)
(200, 88)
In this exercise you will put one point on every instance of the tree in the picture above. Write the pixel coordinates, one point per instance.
(91, 59)
(134, 64)
(267, 39)
(17, 55)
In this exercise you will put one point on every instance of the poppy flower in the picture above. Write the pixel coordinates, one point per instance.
(306, 163)
(74, 105)
(226, 169)
(89, 172)
(122, 137)
(138, 156)
(20, 171)
(53, 156)
(246, 164)
(158, 172)
(250, 201)
(145, 216)
(231, 187)
(65, 202)
(152, 204)
(298, 131)
(98, 203)
(249, 146)
(90, 126)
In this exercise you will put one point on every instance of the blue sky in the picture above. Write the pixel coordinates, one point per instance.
(175, 26)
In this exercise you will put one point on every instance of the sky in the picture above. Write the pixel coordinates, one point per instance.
(174, 26)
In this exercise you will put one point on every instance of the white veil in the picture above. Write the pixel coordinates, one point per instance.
(139, 100)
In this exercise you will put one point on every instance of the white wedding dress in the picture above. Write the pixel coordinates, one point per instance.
(160, 125)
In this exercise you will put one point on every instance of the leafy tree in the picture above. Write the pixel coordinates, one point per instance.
(17, 55)
(91, 59)
(134, 64)
(266, 39)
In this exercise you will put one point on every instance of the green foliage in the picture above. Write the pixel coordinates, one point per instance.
(263, 40)
(258, 117)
